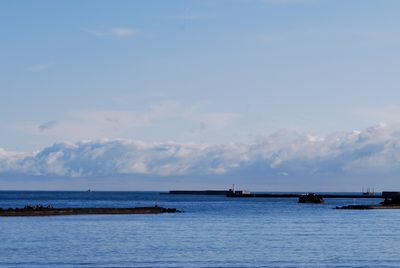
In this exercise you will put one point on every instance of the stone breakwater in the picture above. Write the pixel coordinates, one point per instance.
(51, 211)
(362, 207)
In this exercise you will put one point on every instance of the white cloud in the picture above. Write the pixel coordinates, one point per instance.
(219, 120)
(88, 124)
(119, 32)
(95, 32)
(159, 116)
(284, 154)
(123, 32)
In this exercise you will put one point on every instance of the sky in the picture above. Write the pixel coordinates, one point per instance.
(269, 94)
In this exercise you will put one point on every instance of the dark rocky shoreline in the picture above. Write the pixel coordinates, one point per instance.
(362, 207)
(51, 211)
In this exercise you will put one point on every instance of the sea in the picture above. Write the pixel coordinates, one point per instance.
(213, 231)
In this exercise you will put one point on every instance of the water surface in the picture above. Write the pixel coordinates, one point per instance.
(214, 231)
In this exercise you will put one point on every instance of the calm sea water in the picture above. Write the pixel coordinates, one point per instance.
(214, 231)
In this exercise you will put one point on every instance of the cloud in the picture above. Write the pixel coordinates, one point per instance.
(218, 120)
(38, 67)
(89, 124)
(389, 114)
(119, 32)
(189, 17)
(162, 116)
(47, 125)
(123, 32)
(282, 155)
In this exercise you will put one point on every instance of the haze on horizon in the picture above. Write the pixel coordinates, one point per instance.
(268, 94)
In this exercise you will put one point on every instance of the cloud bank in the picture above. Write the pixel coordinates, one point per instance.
(375, 150)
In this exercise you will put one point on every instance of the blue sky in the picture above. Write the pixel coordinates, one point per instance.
(194, 72)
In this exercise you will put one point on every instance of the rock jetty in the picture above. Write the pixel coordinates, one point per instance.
(40, 210)
(392, 201)
(363, 207)
(311, 198)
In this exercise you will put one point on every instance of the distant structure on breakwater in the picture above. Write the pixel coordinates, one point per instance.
(208, 192)
(247, 194)
(368, 191)
(391, 198)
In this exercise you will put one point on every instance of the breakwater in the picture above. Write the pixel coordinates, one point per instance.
(246, 194)
(50, 211)
(284, 195)
(364, 207)
(392, 201)
(199, 192)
